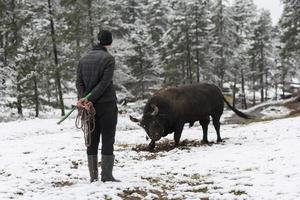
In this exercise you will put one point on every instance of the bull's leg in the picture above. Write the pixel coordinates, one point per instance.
(216, 122)
(177, 133)
(151, 145)
(204, 123)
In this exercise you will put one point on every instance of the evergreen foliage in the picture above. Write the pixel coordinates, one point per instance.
(156, 43)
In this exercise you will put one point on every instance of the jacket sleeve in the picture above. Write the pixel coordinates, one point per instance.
(105, 81)
(79, 83)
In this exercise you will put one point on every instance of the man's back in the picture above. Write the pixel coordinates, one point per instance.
(94, 74)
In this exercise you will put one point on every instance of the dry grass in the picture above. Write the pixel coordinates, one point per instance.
(168, 145)
(61, 183)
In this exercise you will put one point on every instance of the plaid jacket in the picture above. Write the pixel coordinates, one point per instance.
(94, 74)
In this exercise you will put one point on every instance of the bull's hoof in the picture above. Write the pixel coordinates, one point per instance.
(219, 141)
(204, 142)
(151, 149)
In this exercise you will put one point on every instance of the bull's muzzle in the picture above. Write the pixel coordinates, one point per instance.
(156, 137)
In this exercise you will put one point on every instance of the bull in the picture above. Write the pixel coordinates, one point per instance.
(169, 109)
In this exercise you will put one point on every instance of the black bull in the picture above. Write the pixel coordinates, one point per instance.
(169, 109)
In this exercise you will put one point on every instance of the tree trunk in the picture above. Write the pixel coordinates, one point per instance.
(222, 68)
(188, 51)
(276, 90)
(91, 21)
(188, 58)
(283, 89)
(15, 44)
(253, 80)
(261, 71)
(36, 96)
(48, 88)
(142, 75)
(57, 70)
(3, 55)
(234, 91)
(19, 99)
(221, 34)
(183, 72)
(266, 85)
(77, 39)
(244, 101)
(197, 49)
(5, 48)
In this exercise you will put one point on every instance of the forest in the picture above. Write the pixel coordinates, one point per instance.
(157, 43)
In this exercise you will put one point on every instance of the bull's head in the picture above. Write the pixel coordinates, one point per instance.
(151, 123)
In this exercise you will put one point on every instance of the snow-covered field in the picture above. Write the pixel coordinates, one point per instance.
(40, 160)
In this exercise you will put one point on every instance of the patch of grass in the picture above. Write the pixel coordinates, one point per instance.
(204, 198)
(19, 193)
(61, 183)
(237, 192)
(161, 195)
(2, 172)
(35, 170)
(150, 156)
(106, 197)
(75, 164)
(217, 187)
(156, 182)
(196, 176)
(151, 180)
(169, 145)
(198, 190)
(128, 193)
(124, 145)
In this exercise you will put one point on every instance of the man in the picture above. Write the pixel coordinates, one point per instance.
(94, 74)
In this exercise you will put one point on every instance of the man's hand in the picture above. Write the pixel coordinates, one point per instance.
(84, 103)
(81, 103)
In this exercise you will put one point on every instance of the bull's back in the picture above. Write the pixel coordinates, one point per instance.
(192, 102)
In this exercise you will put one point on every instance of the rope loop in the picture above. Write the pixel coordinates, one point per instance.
(85, 121)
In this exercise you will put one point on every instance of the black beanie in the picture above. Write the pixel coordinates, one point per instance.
(105, 37)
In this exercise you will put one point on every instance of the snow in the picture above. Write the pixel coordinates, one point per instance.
(41, 160)
(275, 112)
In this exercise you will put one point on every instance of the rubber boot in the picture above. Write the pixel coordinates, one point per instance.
(93, 167)
(107, 163)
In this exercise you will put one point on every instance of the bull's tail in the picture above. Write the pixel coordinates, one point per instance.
(239, 113)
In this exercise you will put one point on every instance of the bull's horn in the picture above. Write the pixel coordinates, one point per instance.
(155, 108)
(135, 119)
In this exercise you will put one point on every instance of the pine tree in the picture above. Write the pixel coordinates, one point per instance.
(4, 70)
(261, 49)
(243, 15)
(224, 41)
(178, 63)
(13, 57)
(55, 56)
(290, 39)
(201, 37)
(141, 55)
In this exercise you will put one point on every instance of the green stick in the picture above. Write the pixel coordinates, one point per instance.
(69, 113)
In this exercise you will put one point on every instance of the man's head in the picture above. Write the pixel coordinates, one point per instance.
(105, 37)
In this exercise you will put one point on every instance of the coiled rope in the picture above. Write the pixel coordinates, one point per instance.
(85, 121)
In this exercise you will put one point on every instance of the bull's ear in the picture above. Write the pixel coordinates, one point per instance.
(135, 119)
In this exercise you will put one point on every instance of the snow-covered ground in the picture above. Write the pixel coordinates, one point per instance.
(41, 160)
